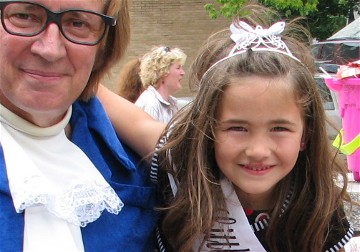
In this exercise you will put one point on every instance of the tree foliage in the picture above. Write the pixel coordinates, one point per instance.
(325, 17)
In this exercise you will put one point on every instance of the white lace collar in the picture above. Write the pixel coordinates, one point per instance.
(47, 170)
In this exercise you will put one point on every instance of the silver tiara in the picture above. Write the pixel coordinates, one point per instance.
(258, 39)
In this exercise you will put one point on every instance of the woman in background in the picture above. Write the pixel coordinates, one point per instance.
(161, 72)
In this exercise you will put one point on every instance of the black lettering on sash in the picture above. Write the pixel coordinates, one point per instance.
(226, 220)
(221, 239)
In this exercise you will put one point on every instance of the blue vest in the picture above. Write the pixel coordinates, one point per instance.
(133, 228)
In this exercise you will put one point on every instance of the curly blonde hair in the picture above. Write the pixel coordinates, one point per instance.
(156, 64)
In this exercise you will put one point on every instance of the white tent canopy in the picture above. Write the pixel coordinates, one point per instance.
(351, 31)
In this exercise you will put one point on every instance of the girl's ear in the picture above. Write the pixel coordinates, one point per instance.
(303, 141)
(302, 145)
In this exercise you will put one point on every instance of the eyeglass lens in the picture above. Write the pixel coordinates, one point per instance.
(27, 19)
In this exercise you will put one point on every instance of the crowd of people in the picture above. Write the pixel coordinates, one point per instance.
(246, 166)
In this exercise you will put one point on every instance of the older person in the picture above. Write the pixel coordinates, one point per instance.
(66, 181)
(161, 72)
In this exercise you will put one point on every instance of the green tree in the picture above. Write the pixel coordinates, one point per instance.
(324, 17)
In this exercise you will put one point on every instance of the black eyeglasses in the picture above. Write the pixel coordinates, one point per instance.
(28, 19)
(166, 49)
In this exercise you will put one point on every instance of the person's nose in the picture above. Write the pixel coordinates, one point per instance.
(182, 72)
(49, 44)
(258, 148)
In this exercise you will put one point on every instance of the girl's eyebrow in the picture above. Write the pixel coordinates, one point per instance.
(282, 121)
(232, 121)
(240, 121)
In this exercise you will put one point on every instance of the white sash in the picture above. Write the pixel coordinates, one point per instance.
(234, 233)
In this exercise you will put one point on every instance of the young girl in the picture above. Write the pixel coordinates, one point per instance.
(257, 156)
(248, 164)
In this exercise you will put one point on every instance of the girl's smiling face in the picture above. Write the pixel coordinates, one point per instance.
(259, 136)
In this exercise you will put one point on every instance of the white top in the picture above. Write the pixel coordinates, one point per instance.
(152, 103)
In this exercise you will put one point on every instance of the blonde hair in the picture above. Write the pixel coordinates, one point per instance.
(156, 64)
(112, 47)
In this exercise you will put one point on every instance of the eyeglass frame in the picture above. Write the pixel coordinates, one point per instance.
(55, 17)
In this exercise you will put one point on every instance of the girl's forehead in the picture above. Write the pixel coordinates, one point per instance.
(259, 100)
(255, 89)
(264, 83)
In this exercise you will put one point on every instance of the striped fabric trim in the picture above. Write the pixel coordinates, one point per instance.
(154, 172)
(154, 168)
(287, 200)
(262, 224)
(159, 241)
(343, 241)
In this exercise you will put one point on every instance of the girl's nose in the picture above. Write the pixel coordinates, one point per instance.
(258, 148)
(49, 44)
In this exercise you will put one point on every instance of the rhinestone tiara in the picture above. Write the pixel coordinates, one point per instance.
(258, 39)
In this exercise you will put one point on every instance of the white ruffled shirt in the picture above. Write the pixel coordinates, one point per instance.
(54, 182)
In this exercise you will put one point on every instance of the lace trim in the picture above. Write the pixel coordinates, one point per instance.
(81, 204)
